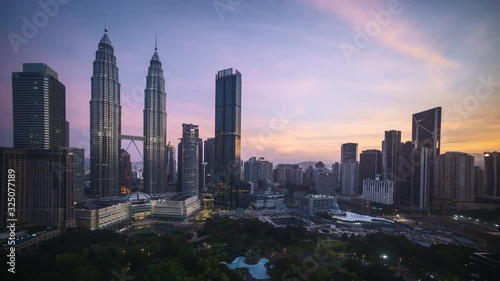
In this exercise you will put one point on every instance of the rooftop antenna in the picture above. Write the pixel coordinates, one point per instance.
(106, 22)
(156, 42)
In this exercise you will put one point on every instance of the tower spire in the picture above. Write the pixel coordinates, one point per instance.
(106, 22)
(156, 42)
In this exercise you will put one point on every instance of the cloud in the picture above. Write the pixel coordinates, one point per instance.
(402, 38)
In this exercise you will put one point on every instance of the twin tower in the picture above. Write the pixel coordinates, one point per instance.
(105, 124)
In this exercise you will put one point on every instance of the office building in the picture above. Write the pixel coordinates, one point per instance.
(326, 183)
(190, 160)
(402, 191)
(421, 178)
(455, 180)
(258, 172)
(171, 164)
(265, 199)
(426, 133)
(309, 177)
(313, 204)
(155, 127)
(105, 122)
(47, 183)
(201, 166)
(39, 108)
(492, 174)
(350, 178)
(288, 174)
(370, 164)
(479, 182)
(126, 179)
(379, 191)
(209, 159)
(348, 152)
(228, 126)
(391, 150)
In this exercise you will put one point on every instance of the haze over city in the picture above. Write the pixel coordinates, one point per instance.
(310, 80)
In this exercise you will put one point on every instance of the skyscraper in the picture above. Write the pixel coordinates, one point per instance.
(391, 150)
(348, 152)
(155, 127)
(370, 164)
(426, 133)
(421, 162)
(125, 172)
(350, 178)
(190, 160)
(52, 181)
(228, 126)
(402, 194)
(492, 174)
(39, 105)
(426, 130)
(455, 180)
(209, 158)
(258, 171)
(349, 169)
(170, 166)
(105, 122)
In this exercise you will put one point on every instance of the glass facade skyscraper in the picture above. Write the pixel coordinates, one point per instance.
(426, 137)
(105, 123)
(39, 105)
(190, 160)
(228, 126)
(155, 128)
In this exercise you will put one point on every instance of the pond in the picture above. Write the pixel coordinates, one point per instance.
(258, 270)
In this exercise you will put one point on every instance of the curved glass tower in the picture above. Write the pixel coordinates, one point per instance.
(105, 122)
(155, 127)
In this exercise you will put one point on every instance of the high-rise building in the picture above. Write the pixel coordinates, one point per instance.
(155, 128)
(310, 177)
(190, 160)
(391, 150)
(421, 178)
(39, 107)
(479, 189)
(126, 179)
(370, 164)
(209, 158)
(426, 130)
(326, 183)
(201, 182)
(426, 133)
(336, 172)
(258, 172)
(105, 122)
(228, 126)
(350, 178)
(48, 183)
(379, 191)
(170, 164)
(179, 165)
(492, 174)
(402, 191)
(289, 174)
(349, 152)
(349, 168)
(455, 180)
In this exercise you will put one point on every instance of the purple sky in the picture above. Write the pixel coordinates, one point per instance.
(316, 73)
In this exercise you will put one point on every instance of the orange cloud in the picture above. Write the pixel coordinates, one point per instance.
(402, 37)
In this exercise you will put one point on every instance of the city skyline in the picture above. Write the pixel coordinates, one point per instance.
(316, 97)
